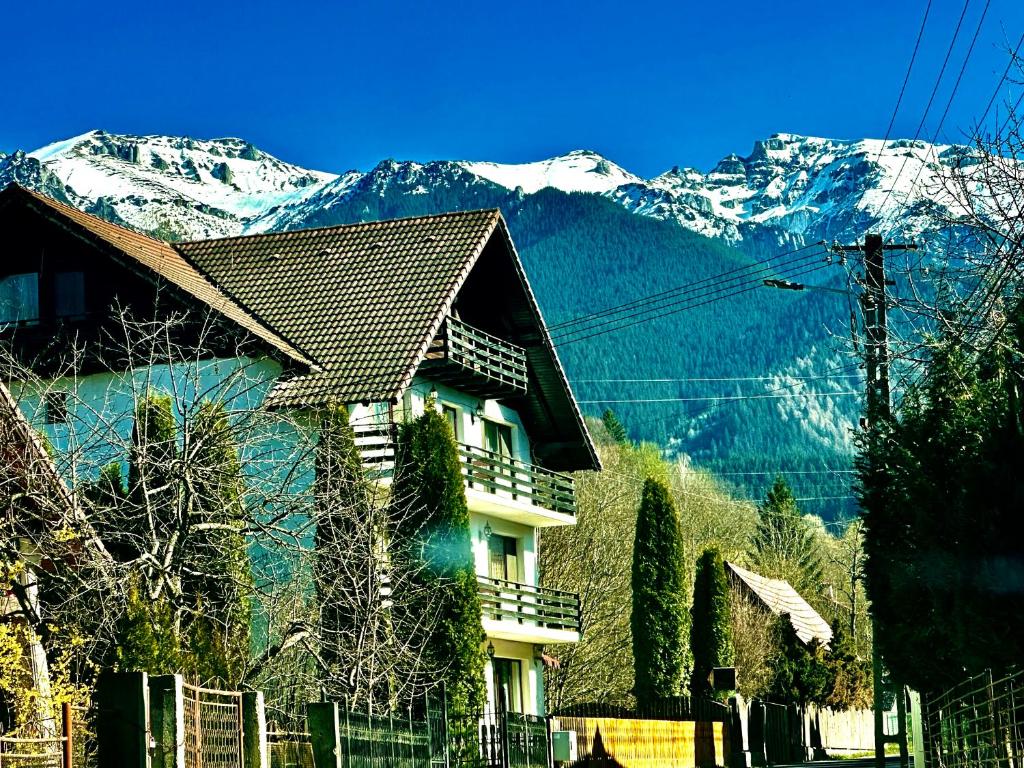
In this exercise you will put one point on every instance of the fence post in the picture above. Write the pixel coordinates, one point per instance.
(68, 733)
(254, 730)
(324, 734)
(917, 728)
(167, 713)
(122, 720)
(739, 732)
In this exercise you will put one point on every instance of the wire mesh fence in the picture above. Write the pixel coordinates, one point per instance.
(50, 745)
(213, 728)
(290, 749)
(978, 723)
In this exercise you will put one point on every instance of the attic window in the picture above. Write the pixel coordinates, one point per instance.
(69, 294)
(19, 299)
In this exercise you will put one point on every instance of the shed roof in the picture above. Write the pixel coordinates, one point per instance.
(779, 597)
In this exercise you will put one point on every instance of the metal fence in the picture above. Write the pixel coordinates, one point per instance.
(213, 728)
(513, 740)
(978, 723)
(46, 750)
(679, 708)
(385, 741)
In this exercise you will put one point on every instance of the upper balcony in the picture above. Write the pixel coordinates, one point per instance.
(522, 612)
(476, 362)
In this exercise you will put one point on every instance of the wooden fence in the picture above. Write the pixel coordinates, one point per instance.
(44, 751)
(627, 743)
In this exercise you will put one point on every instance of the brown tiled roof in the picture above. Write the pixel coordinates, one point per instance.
(159, 257)
(779, 597)
(364, 300)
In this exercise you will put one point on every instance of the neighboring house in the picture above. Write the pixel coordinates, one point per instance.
(779, 597)
(384, 316)
(31, 493)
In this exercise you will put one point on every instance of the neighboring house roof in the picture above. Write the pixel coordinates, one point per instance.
(779, 597)
(27, 472)
(157, 256)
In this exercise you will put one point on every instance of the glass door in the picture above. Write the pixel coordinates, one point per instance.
(508, 684)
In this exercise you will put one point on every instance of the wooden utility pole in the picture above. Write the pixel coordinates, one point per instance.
(876, 359)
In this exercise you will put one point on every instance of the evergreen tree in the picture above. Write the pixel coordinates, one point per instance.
(616, 431)
(217, 592)
(850, 676)
(710, 630)
(152, 464)
(801, 675)
(147, 638)
(785, 546)
(434, 532)
(941, 489)
(659, 614)
(348, 542)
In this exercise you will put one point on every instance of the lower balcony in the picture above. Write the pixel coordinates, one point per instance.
(524, 613)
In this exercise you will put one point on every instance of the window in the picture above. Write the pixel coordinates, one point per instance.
(19, 299)
(451, 415)
(503, 557)
(69, 294)
(498, 438)
(55, 405)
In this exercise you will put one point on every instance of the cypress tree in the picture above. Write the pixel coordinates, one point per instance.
(146, 636)
(345, 529)
(658, 619)
(219, 597)
(434, 533)
(152, 460)
(710, 630)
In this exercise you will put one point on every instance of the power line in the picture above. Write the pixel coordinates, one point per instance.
(906, 79)
(789, 396)
(945, 113)
(650, 297)
(787, 473)
(658, 305)
(687, 306)
(931, 99)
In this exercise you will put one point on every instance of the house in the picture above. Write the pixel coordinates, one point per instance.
(384, 316)
(777, 596)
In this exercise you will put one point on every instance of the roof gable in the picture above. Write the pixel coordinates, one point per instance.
(779, 597)
(156, 256)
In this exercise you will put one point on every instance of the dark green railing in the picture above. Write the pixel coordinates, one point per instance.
(528, 605)
(518, 480)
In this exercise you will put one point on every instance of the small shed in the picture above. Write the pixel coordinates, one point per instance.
(779, 597)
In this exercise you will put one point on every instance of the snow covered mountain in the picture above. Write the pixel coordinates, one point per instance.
(789, 189)
(174, 187)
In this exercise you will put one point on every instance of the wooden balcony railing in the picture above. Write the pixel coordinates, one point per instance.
(528, 605)
(482, 470)
(518, 480)
(476, 362)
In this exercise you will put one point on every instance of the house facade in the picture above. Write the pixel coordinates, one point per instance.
(387, 317)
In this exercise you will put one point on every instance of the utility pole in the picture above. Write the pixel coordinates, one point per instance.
(876, 358)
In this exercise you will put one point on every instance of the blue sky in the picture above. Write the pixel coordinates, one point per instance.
(338, 85)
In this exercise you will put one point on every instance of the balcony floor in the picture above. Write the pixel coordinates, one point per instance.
(504, 507)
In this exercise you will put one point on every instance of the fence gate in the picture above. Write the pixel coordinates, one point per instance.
(213, 728)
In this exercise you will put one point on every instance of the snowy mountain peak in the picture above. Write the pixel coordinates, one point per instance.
(177, 186)
(581, 170)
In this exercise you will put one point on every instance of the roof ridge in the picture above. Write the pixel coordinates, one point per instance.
(336, 227)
